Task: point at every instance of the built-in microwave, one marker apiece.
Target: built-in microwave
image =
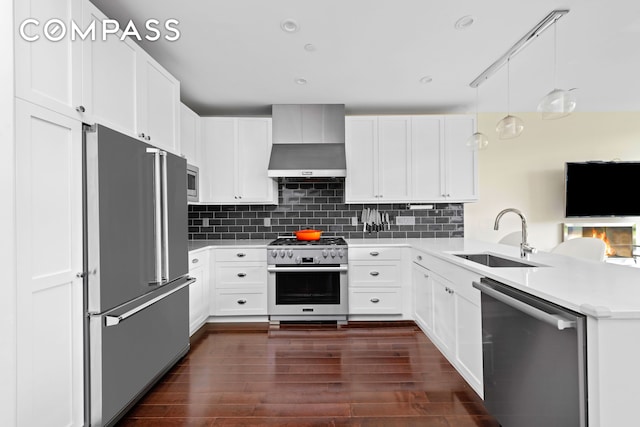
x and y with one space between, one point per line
192 183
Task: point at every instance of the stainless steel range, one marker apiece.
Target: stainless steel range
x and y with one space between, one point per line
307 280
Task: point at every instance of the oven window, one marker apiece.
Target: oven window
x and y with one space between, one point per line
293 288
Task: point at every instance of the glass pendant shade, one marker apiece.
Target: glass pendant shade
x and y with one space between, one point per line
557 104
477 141
509 127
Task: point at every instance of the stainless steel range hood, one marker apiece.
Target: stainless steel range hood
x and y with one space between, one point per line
308 141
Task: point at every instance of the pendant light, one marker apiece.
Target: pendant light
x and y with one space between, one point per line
559 102
510 126
477 141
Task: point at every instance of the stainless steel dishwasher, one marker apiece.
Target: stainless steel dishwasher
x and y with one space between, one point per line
534 359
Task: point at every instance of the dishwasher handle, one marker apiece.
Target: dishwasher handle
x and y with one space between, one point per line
556 320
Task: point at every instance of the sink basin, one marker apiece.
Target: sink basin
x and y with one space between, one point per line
491 260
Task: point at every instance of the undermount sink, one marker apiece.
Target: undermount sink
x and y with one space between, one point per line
491 260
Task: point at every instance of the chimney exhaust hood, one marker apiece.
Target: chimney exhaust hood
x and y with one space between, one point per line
308 141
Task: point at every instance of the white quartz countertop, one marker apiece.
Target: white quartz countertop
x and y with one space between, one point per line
596 289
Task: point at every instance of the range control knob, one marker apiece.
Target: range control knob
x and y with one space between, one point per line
282 253
316 260
298 260
290 253
340 253
274 253
333 253
325 253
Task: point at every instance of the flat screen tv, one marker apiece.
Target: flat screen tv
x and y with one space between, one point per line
602 189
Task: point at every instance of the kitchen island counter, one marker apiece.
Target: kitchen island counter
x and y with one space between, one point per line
596 289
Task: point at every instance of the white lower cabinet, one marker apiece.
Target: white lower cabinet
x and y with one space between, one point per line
447 308
240 285
49 259
199 290
376 281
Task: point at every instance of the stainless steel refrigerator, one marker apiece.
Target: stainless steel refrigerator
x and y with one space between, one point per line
136 283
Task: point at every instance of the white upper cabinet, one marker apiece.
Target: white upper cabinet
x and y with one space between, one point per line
394 154
378 149
235 158
109 68
49 73
427 160
190 135
460 163
113 82
361 142
158 95
403 159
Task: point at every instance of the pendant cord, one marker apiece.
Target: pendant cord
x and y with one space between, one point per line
508 86
555 54
477 98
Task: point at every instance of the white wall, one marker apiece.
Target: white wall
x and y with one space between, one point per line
7 221
527 173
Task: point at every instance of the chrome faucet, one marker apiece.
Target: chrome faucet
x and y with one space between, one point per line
525 249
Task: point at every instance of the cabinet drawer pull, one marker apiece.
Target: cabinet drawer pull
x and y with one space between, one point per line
80 109
241 255
375 300
242 301
374 253
374 273
141 135
242 274
419 257
195 261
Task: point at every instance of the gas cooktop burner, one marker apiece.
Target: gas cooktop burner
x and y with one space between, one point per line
324 241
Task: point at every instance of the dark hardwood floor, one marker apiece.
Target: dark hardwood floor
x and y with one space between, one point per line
365 374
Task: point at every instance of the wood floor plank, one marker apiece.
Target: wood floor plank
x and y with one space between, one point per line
360 375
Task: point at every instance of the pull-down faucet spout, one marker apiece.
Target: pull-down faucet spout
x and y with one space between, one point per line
525 249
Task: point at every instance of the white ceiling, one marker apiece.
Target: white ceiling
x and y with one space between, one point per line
233 58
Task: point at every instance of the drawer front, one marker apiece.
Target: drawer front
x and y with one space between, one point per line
241 255
375 253
374 274
251 301
375 301
198 259
235 275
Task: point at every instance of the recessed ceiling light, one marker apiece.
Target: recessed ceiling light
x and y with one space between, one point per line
289 26
426 79
310 47
464 22
301 81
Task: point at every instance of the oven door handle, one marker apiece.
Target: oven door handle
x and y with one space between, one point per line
275 269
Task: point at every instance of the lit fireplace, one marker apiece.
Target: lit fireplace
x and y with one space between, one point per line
619 237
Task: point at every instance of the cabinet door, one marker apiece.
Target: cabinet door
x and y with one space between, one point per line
158 104
461 163
254 149
423 292
469 339
219 160
49 257
198 291
443 314
361 144
427 159
190 135
49 73
394 153
109 77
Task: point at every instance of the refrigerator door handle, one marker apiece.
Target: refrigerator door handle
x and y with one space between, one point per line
112 320
165 218
157 215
